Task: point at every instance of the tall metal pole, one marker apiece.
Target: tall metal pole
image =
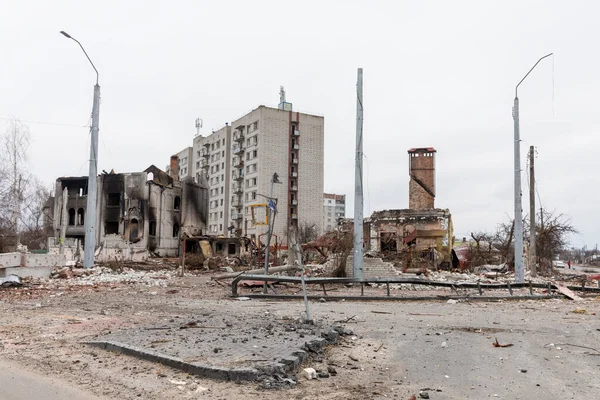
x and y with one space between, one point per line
90 218
519 270
532 250
358 189
308 319
269 232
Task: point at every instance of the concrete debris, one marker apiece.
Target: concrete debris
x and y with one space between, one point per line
423 395
10 281
104 275
452 301
444 345
309 373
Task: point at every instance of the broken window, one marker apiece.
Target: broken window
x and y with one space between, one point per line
231 248
177 203
219 247
80 214
133 229
175 230
111 228
152 228
114 199
71 216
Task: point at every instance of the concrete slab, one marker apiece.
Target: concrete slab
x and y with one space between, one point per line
44 260
26 272
220 347
10 260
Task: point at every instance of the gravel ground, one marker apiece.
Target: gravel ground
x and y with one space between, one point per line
398 348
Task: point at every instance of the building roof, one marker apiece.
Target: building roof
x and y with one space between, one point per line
422 150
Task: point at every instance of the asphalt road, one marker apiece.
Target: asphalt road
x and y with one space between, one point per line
17 383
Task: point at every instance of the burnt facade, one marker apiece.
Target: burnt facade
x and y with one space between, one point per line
421 227
137 213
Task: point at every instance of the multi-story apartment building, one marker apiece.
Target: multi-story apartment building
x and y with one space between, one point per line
334 208
239 161
270 141
212 161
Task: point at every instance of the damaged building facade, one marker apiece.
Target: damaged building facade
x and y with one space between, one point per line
138 214
421 228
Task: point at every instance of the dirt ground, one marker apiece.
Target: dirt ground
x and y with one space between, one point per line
398 348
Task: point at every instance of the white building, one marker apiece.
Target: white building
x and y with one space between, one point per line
239 161
334 208
212 159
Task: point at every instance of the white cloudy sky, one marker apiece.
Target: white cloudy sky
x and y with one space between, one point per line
437 73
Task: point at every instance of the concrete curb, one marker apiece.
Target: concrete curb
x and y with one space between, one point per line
281 367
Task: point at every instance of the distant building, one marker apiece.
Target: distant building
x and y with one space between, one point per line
239 160
334 208
184 167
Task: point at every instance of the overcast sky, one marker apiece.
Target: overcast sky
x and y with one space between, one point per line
436 73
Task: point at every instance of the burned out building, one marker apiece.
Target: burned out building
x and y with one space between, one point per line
137 214
421 227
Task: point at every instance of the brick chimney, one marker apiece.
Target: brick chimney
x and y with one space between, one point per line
421 189
174 168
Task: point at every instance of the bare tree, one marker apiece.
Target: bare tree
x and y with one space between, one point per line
14 178
307 233
552 236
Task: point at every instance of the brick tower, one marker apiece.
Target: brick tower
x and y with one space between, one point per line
421 168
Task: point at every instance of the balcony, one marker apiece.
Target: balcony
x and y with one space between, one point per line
238 137
205 153
294 188
238 149
294 161
296 147
238 162
237 202
207 145
295 202
238 176
238 189
296 132
294 216
294 174
237 216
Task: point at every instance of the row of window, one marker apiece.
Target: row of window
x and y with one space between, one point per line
215 203
216 191
251 155
215 215
251 168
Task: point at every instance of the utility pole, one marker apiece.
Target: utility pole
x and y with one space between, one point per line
358 190
271 211
90 217
519 270
532 255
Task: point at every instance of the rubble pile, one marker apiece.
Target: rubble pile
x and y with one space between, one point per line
103 275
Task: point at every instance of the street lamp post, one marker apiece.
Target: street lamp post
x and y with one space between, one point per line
271 211
519 269
90 218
